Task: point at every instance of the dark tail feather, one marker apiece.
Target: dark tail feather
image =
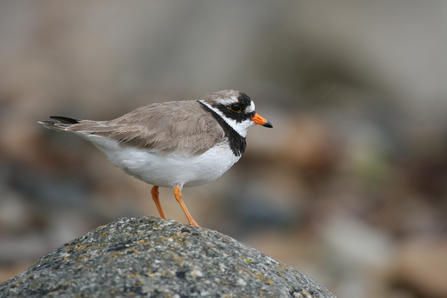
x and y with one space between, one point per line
65 120
59 122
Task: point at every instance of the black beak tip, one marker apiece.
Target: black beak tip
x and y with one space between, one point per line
268 124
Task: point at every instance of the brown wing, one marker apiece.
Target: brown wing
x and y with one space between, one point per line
173 127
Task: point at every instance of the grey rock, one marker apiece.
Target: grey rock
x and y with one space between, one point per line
152 257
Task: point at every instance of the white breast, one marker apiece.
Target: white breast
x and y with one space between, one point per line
167 170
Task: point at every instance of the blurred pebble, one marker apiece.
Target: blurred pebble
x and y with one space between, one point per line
421 266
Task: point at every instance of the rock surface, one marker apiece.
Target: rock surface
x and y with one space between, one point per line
152 257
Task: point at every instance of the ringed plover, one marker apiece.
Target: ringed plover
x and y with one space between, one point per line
173 144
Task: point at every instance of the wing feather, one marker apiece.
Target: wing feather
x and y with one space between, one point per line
180 127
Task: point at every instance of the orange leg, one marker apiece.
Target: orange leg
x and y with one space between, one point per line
178 197
154 193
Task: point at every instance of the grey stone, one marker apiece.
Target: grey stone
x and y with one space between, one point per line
152 257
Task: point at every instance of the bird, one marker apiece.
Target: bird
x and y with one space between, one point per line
173 144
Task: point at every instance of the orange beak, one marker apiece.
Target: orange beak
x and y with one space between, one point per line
259 120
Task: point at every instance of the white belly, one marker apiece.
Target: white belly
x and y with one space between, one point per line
167 170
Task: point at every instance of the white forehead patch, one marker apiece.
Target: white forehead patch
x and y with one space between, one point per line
251 107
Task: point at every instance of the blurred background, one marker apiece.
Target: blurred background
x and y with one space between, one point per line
349 187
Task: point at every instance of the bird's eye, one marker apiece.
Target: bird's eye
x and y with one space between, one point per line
235 107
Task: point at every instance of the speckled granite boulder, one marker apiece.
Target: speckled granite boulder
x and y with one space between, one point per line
151 257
